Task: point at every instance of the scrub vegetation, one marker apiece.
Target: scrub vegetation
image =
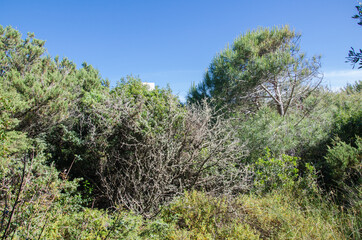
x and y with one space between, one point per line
259 151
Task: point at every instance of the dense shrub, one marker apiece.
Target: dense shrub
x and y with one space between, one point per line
76 156
31 193
344 161
336 155
274 216
344 164
293 134
283 173
141 148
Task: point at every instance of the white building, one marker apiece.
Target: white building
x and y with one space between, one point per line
151 86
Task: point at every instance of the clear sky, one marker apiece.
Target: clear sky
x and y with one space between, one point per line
173 42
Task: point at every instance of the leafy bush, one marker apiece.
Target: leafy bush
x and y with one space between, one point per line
30 192
273 173
94 224
344 163
336 156
200 216
274 216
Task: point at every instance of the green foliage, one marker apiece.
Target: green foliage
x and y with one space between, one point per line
309 134
359 15
199 216
292 134
44 91
353 88
281 214
68 142
5 124
353 56
154 106
139 148
94 224
274 216
339 143
261 67
344 160
30 193
282 173
344 164
274 173
348 122
16 53
107 125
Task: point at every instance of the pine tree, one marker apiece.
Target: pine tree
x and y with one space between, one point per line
261 67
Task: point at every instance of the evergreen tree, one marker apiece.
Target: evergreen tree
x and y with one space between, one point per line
43 91
263 66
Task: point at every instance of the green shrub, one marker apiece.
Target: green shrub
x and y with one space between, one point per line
281 214
344 164
94 224
292 134
344 161
199 216
348 118
283 173
273 216
274 173
30 192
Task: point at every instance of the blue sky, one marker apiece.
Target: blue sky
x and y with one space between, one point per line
173 42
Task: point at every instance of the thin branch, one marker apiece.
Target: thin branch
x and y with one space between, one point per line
16 199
